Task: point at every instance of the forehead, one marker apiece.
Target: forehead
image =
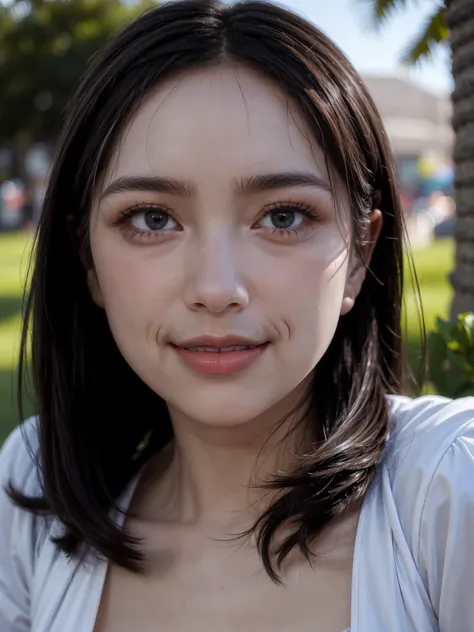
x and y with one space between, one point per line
222 120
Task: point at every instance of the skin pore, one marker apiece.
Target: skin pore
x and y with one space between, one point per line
190 238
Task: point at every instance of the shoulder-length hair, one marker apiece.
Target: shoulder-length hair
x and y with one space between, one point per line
94 412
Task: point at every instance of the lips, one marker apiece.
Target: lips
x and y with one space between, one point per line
222 349
220 343
224 355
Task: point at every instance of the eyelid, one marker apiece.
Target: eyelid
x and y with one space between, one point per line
306 209
142 207
300 207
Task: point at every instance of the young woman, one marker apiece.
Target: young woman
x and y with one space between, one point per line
221 443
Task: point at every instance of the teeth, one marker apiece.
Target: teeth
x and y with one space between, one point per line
207 349
238 348
222 350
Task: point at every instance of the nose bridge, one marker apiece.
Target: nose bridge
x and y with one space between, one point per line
216 277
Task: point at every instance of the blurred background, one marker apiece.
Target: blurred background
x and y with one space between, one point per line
46 44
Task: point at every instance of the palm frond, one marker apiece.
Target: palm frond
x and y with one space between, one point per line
384 8
381 10
422 47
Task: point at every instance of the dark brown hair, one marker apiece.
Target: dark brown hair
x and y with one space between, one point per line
93 410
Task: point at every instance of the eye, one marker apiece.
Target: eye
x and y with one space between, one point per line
283 219
153 219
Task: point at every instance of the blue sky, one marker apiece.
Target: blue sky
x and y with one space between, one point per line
378 51
372 50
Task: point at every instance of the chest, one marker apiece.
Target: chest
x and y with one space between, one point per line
222 587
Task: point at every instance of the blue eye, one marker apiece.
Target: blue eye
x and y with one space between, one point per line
154 219
282 219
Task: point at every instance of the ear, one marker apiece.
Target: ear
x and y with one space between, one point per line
94 288
92 280
358 268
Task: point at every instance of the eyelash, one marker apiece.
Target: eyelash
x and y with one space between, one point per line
307 211
133 233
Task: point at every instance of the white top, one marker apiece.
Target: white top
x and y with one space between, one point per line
413 567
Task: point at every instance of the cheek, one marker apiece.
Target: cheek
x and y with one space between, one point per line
309 286
136 288
309 290
305 294
137 296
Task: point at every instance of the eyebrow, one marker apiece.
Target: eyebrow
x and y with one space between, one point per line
172 186
287 179
250 185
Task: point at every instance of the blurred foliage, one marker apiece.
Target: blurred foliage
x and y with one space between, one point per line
451 356
45 46
433 32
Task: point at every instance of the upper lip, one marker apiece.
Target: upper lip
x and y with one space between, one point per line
219 342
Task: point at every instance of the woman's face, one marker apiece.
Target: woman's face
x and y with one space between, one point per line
215 228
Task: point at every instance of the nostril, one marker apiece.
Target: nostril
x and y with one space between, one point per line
217 300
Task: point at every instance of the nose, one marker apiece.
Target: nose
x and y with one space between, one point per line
215 281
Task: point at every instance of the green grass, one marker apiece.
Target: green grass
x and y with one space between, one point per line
14 253
433 263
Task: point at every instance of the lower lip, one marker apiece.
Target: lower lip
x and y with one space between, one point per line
225 363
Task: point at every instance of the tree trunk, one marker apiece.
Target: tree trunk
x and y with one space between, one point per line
460 21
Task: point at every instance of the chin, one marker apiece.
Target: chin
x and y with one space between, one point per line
223 408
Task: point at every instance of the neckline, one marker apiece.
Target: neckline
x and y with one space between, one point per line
125 501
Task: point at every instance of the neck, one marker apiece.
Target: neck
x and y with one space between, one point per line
213 475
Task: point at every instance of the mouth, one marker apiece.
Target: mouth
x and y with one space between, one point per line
223 349
219 356
219 344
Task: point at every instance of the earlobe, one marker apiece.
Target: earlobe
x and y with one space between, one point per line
94 288
358 270
347 305
353 286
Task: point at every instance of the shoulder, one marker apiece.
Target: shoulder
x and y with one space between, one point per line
429 413
426 486
423 430
19 459
424 433
19 528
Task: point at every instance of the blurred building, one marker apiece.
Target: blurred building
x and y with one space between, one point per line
418 124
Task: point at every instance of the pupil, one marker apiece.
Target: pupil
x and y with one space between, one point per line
283 219
156 219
